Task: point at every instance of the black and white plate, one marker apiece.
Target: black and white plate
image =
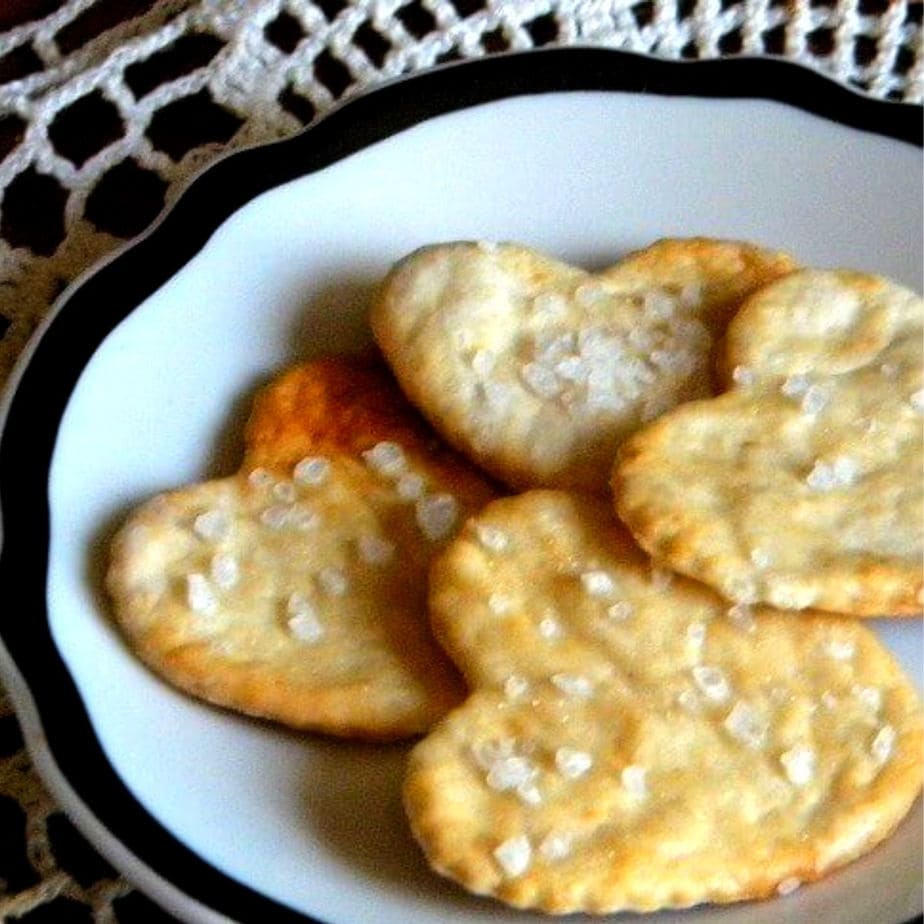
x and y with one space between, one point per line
142 376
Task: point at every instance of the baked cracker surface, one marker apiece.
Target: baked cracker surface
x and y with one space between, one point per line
536 369
632 741
295 590
801 486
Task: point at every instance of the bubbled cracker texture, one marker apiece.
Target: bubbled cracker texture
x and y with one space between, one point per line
801 485
295 590
662 755
538 370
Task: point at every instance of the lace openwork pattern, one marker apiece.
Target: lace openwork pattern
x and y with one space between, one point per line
107 106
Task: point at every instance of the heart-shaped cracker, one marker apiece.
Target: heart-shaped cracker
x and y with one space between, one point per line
631 741
801 486
296 589
538 370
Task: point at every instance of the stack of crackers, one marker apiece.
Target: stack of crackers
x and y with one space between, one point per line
606 540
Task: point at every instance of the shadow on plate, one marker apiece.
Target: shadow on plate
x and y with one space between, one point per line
352 804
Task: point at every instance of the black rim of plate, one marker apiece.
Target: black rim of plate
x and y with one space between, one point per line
94 308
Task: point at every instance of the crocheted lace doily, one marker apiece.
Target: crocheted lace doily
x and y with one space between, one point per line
107 105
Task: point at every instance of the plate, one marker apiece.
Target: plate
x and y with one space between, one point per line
141 379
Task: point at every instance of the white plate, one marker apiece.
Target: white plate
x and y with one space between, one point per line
216 815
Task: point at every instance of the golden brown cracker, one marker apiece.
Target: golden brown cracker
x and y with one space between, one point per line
632 742
536 369
296 589
802 485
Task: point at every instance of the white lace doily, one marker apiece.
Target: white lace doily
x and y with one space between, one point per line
106 106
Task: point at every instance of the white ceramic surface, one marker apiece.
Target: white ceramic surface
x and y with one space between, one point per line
314 824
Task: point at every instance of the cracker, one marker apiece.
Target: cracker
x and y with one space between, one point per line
801 486
537 369
295 590
632 741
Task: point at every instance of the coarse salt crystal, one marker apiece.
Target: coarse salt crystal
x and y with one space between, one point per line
571 369
670 362
199 594
641 339
696 634
374 550
661 579
741 588
549 627
799 764
487 753
691 295
556 845
510 773
840 649
815 399
212 525
306 627
276 517
312 471
587 295
410 486
658 304
604 349
483 362
550 346
598 583
492 538
541 380
779 694
760 558
499 604
788 886
688 700
620 610
514 855
303 619
827 476
463 339
550 303
298 603
746 725
573 685
795 386
260 478
634 780
789 591
741 616
712 683
437 515
883 744
386 458
333 582
284 491
742 375
603 394
304 519
572 763
870 697
515 686
224 570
